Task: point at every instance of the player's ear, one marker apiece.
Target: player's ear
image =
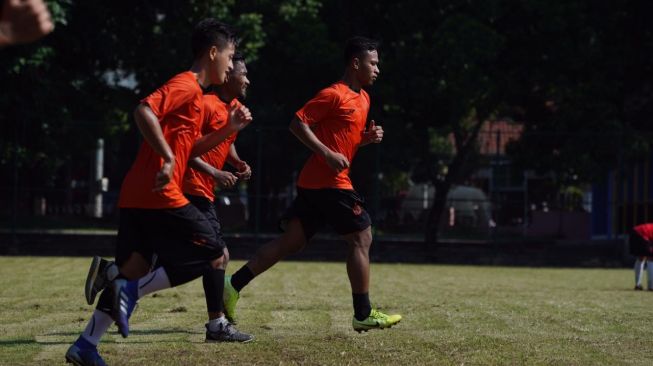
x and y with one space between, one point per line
213 53
355 62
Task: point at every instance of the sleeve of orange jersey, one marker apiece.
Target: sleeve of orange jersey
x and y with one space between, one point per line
170 96
318 108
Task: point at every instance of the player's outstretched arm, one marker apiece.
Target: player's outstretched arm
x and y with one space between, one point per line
239 118
150 128
335 160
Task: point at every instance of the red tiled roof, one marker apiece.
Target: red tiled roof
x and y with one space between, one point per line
495 135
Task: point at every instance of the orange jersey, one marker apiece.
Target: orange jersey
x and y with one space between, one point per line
215 117
645 231
337 116
178 106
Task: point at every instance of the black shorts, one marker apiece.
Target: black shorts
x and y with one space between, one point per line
341 209
639 247
175 235
207 207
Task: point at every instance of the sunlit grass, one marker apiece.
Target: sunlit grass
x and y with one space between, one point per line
301 313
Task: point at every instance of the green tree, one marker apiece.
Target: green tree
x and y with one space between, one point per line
83 81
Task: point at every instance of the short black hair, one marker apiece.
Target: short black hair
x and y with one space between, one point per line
238 57
355 46
211 32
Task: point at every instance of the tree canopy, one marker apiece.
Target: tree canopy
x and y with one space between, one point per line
575 73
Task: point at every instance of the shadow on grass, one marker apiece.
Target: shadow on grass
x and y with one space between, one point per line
18 342
134 332
31 342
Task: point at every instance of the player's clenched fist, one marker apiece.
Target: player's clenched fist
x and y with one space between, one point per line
23 21
244 171
225 179
239 117
374 134
164 176
337 161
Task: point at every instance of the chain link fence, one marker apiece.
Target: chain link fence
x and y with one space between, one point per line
496 202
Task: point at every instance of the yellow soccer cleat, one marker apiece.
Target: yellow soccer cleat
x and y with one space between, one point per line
230 298
376 320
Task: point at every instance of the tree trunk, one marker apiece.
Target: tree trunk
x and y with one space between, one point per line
458 168
438 207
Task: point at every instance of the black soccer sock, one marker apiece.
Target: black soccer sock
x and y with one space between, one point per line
241 278
362 307
178 274
105 301
213 282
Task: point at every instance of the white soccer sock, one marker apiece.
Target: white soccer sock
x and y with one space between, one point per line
153 282
97 326
112 271
639 265
217 324
649 272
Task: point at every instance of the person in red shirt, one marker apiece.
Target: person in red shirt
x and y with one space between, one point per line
204 175
640 242
155 217
333 126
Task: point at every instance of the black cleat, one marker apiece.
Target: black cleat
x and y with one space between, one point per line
227 333
100 274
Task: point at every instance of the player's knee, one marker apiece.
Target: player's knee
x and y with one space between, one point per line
293 239
294 242
362 240
297 246
218 262
135 267
225 259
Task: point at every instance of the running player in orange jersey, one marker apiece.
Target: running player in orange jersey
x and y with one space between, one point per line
155 217
200 181
333 126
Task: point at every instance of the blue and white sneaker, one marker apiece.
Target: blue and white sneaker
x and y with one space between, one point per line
83 353
125 296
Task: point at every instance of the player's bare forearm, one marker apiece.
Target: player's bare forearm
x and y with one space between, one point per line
209 141
232 157
202 166
238 118
150 128
307 137
244 171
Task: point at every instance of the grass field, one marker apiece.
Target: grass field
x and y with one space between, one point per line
301 314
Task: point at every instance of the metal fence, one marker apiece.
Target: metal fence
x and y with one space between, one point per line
492 205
